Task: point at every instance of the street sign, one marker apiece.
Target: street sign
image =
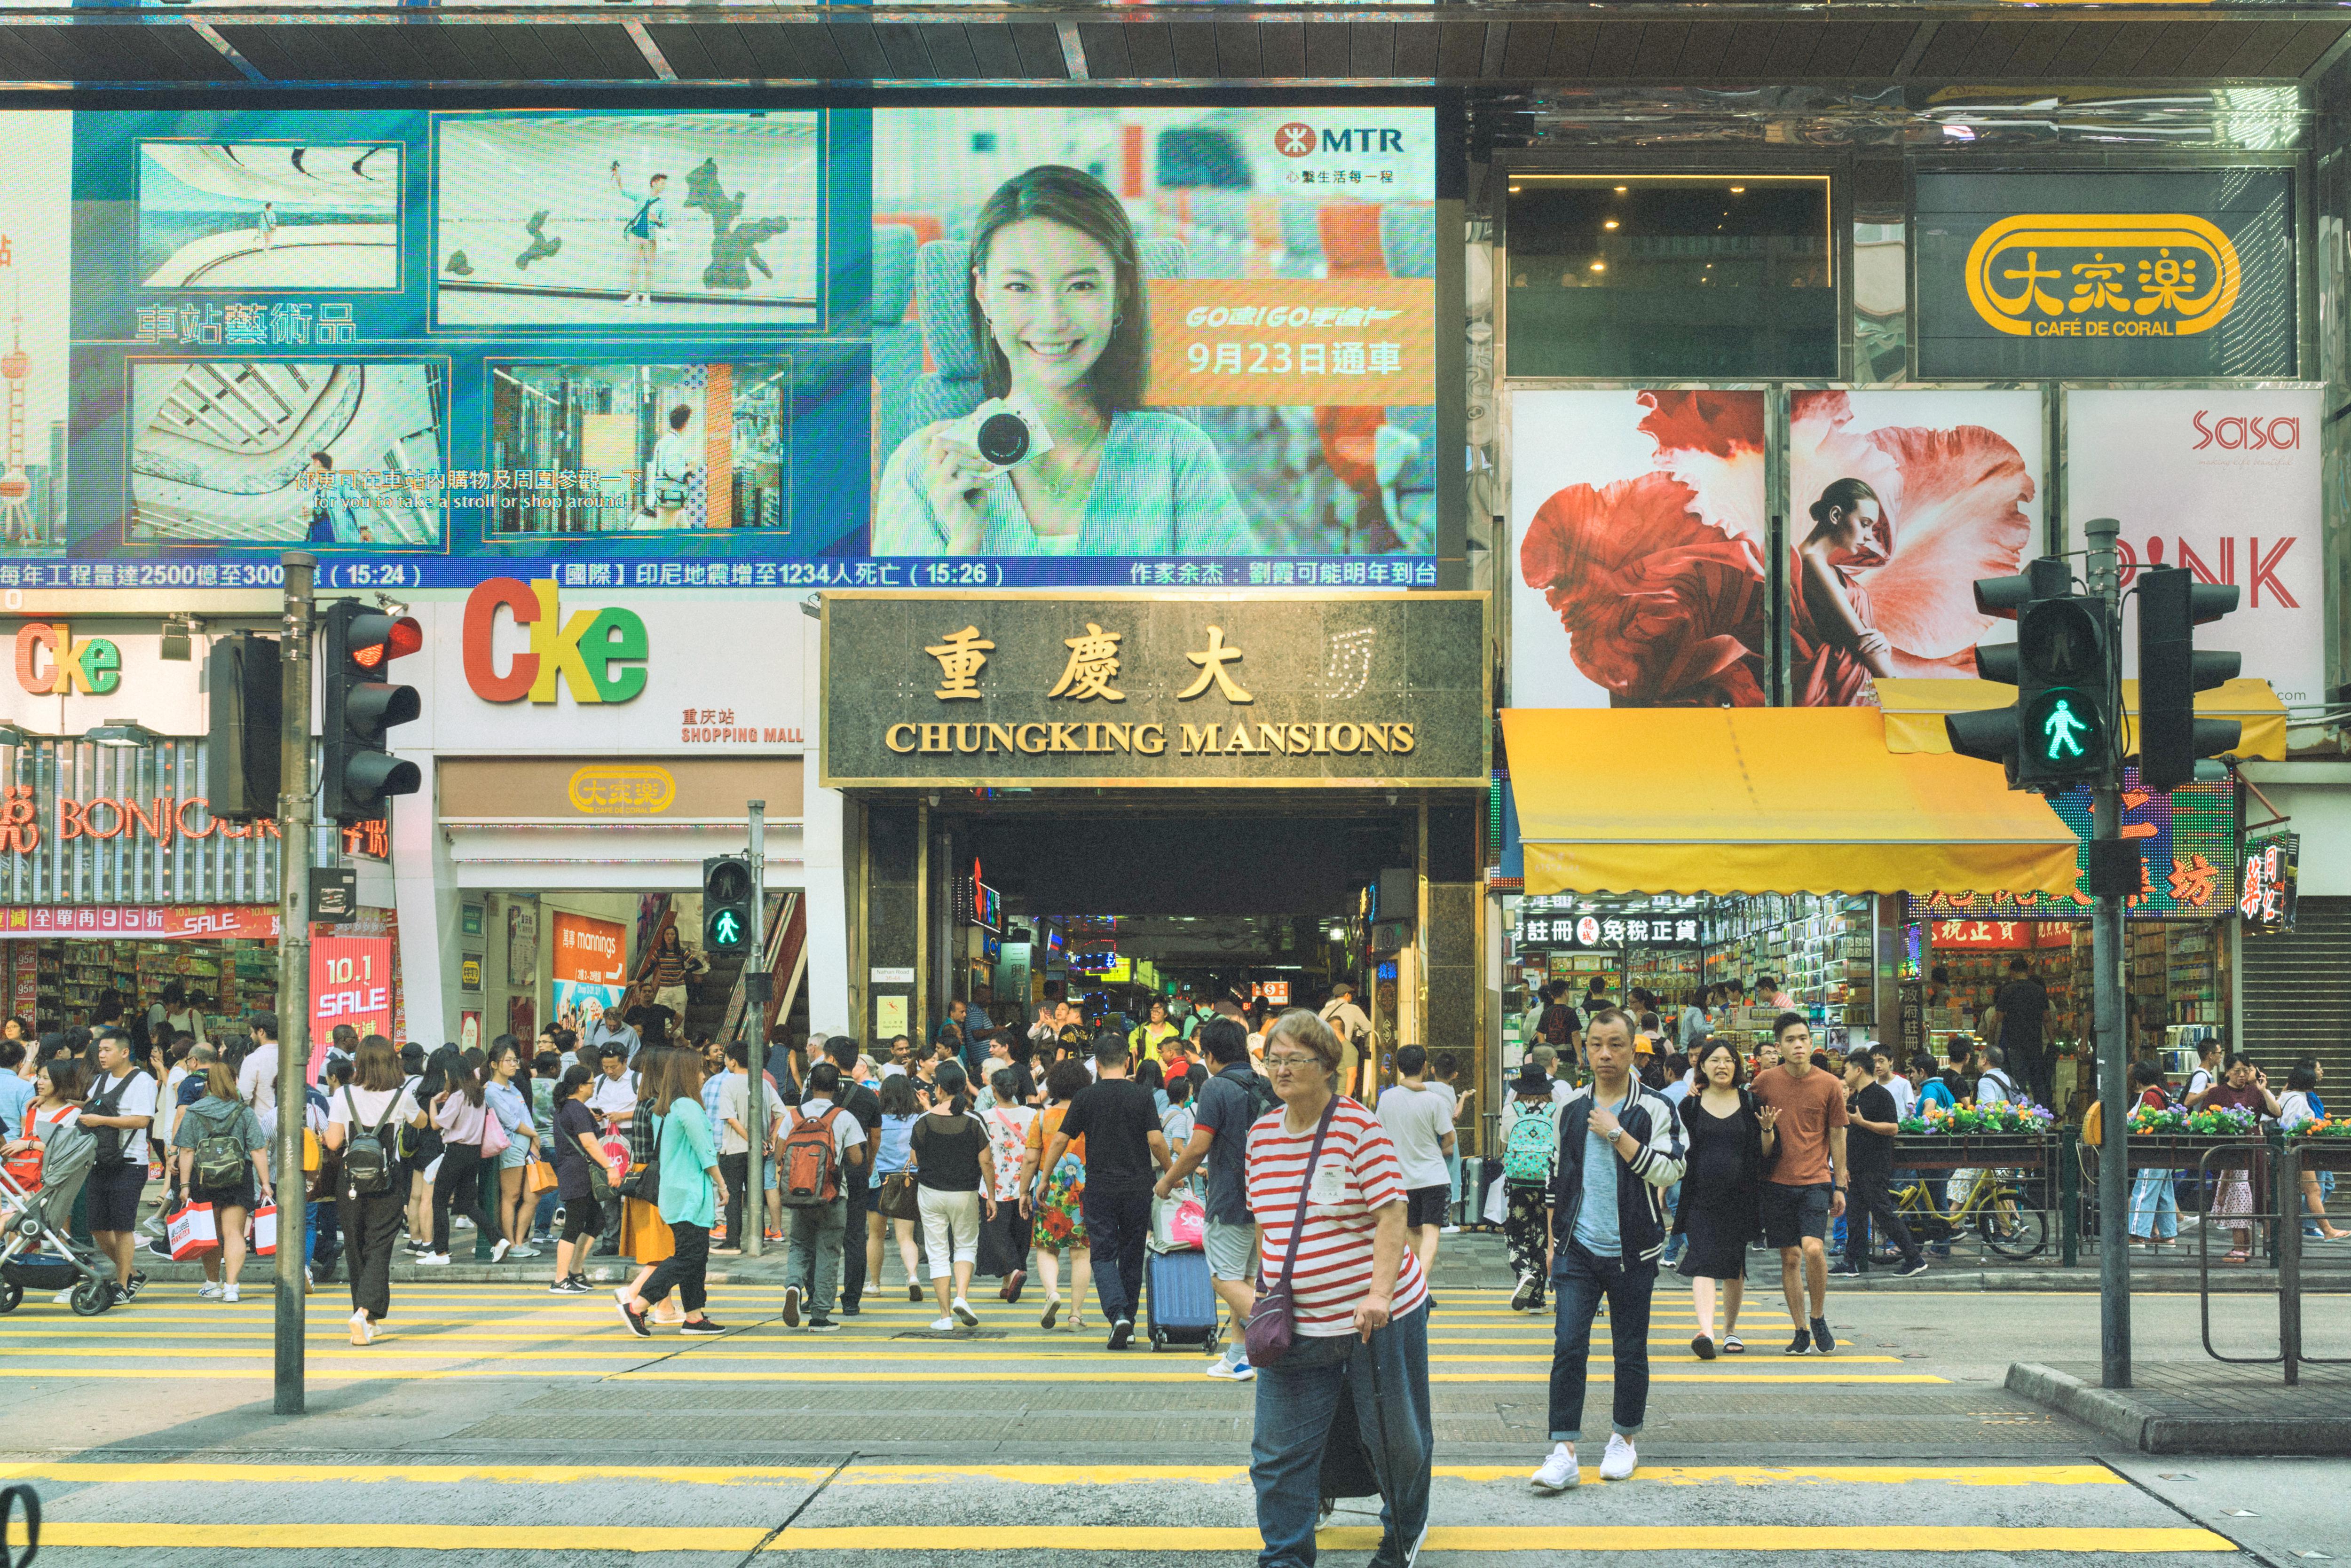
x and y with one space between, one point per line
334 894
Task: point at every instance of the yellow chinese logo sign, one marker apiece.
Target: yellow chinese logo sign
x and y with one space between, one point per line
2103 275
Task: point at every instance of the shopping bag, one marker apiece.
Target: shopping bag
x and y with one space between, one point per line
191 1231
616 1156
541 1178
262 1230
1177 1224
1498 1203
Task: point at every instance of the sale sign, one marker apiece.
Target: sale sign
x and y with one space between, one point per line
351 982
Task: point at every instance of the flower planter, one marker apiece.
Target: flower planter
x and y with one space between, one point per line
2182 1151
1972 1151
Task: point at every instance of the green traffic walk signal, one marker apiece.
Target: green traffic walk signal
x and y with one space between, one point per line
2063 724
727 894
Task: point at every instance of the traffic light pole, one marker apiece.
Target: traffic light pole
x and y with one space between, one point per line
755 1011
2113 1033
293 974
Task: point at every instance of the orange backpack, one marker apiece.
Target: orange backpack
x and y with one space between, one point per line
809 1170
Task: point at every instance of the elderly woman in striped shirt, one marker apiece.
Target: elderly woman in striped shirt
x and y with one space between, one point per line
1328 1195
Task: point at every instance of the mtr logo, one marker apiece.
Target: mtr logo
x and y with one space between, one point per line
50 664
1297 139
585 651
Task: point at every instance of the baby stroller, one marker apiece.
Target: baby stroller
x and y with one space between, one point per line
35 1253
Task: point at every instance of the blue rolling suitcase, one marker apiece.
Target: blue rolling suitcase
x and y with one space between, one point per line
1181 1306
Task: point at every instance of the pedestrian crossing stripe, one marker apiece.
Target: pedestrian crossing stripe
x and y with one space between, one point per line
265 1472
669 1370
829 1353
336 1331
127 1535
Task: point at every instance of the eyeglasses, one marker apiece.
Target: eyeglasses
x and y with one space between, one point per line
1287 1063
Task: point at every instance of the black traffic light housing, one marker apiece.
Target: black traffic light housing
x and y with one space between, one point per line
2057 731
2171 606
359 775
726 894
242 744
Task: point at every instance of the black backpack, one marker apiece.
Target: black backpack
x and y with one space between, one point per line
369 1161
1260 1094
111 1139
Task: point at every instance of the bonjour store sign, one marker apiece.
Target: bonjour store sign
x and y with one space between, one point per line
1293 690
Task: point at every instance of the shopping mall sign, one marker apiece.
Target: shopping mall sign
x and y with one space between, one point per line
51 662
2117 272
1297 690
598 654
2189 860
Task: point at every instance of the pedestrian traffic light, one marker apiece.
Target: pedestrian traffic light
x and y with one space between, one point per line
2063 684
1998 735
359 774
241 740
2171 606
727 903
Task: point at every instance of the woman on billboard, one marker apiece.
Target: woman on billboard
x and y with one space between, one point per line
1063 458
1837 645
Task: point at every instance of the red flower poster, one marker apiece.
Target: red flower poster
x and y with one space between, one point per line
1644 548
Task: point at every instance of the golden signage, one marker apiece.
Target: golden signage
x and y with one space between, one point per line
635 790
2103 275
1099 738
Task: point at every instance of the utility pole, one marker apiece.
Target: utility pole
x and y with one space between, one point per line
755 1020
295 853
2105 959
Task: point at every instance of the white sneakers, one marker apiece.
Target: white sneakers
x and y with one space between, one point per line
636 300
433 1260
944 1325
964 1314
208 1291
228 1293
1560 1472
498 1252
362 1331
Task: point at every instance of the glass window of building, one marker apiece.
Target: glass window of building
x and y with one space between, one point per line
1684 275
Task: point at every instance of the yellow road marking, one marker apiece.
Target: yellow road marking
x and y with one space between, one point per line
825 1352
549 1538
1506 1537
271 1474
351 1368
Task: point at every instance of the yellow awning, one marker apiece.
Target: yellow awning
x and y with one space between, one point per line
1766 800
1915 710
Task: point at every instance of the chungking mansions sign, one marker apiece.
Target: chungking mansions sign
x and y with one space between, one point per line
1100 690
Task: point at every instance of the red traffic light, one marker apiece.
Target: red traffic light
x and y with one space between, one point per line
377 640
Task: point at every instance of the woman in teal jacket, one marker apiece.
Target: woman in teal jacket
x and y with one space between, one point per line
691 1193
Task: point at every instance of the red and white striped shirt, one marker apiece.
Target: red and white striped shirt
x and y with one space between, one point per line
1356 1176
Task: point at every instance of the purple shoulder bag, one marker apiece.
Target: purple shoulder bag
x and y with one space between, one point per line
1273 1319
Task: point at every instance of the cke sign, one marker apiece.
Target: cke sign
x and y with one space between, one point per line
587 652
50 664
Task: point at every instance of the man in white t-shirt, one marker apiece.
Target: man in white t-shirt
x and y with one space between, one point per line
1544 1057
1881 1066
1419 1123
256 1076
121 1100
813 1262
734 1136
614 1098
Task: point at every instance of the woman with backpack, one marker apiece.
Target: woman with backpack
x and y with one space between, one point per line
1530 1150
1730 1138
224 1162
692 1192
372 1124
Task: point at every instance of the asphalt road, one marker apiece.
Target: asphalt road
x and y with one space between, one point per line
495 1424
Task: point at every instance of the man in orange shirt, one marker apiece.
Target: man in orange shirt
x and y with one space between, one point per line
1804 1188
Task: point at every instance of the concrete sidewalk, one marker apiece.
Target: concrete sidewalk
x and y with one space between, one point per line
2202 1406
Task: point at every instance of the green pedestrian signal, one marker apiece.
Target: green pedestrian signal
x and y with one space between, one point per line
727 896
2063 724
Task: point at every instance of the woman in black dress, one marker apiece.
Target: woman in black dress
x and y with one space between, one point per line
1730 1138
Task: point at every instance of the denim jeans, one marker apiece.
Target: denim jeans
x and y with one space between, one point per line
1295 1401
322 1234
813 1261
1580 1280
2155 1208
1117 1225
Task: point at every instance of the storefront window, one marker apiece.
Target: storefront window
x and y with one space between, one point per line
1670 275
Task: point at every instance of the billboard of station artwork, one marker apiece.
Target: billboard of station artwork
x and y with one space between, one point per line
1644 576
763 348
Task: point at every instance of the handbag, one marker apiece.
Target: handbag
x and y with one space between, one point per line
192 1232
1273 1319
899 1200
541 1179
261 1230
643 1181
494 1141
